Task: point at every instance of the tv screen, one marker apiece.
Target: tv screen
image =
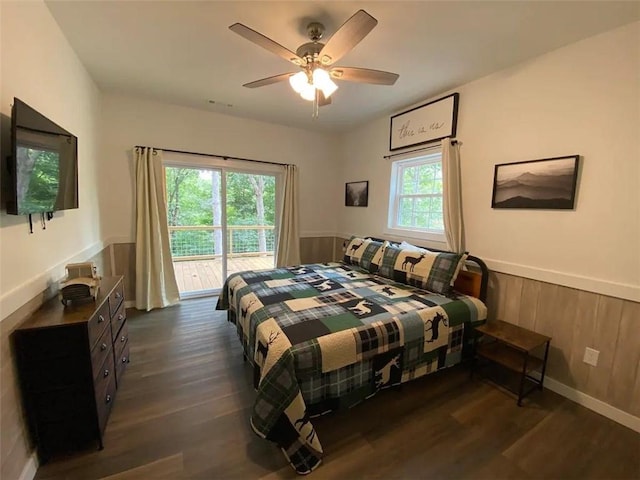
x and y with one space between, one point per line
44 164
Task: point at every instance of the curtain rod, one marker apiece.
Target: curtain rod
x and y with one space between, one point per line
453 142
223 157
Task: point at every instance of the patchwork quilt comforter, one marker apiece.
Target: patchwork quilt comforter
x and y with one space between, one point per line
326 336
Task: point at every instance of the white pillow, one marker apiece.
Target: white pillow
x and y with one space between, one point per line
412 248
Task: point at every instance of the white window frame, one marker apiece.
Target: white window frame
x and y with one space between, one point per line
394 187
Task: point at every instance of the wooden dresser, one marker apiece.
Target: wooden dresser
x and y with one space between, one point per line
70 362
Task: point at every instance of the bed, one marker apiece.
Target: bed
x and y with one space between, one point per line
323 337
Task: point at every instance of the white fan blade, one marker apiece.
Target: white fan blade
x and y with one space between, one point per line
266 43
269 80
347 37
364 75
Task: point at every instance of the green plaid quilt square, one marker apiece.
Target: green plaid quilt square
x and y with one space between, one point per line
276 391
307 358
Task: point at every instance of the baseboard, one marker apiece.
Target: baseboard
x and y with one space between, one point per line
598 406
30 468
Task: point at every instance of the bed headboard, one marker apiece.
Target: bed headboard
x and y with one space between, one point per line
472 281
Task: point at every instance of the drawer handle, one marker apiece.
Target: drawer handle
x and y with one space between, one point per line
118 295
123 339
100 318
121 317
124 359
103 347
107 399
106 373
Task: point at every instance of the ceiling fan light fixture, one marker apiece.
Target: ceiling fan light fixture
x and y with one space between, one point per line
315 83
322 81
308 92
320 76
298 81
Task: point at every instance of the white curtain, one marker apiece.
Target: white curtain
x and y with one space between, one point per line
288 251
155 279
452 196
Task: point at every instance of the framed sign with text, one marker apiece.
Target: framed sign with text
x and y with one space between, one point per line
425 123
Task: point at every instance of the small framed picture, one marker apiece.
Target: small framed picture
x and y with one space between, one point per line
356 194
549 183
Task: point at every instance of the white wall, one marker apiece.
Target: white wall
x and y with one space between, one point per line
40 68
581 99
132 121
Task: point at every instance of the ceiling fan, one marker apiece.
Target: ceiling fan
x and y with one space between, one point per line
314 82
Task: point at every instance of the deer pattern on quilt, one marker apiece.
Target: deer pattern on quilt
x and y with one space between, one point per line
432 326
361 308
436 328
247 305
324 286
384 376
305 422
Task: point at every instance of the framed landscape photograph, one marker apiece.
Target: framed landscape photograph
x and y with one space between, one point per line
549 183
356 194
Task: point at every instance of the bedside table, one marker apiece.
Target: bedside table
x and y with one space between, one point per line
511 346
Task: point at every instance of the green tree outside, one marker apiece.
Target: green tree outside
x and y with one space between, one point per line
191 201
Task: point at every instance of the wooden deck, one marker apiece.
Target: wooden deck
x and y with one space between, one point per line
199 275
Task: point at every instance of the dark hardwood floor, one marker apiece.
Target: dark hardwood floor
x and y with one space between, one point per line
183 413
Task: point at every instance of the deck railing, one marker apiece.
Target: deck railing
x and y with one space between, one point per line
199 242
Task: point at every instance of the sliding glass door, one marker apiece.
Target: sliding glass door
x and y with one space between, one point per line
220 222
250 221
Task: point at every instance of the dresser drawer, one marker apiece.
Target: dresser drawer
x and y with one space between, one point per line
104 376
104 402
97 324
100 351
118 320
116 297
121 340
121 362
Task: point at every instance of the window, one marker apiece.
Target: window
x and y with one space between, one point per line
415 200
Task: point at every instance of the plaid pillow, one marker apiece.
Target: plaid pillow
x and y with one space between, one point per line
362 252
433 271
376 261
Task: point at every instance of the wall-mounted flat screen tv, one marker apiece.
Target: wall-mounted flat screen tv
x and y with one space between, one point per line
43 168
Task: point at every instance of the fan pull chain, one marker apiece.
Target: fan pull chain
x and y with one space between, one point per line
315 113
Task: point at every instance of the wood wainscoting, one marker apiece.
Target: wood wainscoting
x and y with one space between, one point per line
576 319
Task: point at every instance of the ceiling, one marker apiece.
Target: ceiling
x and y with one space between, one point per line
182 52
